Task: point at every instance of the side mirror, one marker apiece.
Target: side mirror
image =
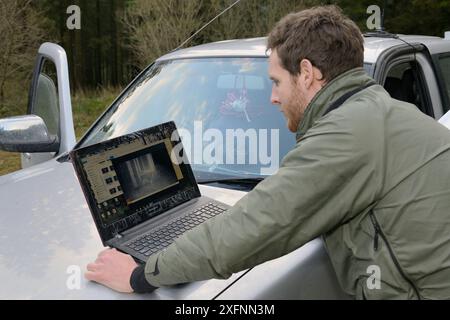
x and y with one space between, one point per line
26 134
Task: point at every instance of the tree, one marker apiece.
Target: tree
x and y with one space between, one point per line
21 33
250 18
427 17
156 27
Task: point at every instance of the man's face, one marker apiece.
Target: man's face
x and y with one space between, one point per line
288 92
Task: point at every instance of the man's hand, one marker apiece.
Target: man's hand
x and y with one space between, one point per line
112 269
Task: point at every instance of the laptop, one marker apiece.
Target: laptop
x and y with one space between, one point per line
141 191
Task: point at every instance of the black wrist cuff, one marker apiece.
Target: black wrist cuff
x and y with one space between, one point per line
138 281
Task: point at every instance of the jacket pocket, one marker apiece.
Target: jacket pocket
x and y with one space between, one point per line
379 233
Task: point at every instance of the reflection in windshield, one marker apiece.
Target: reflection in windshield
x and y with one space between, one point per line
221 107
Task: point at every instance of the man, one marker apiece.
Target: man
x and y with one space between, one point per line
369 173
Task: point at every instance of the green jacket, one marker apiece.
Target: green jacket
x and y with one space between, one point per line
372 177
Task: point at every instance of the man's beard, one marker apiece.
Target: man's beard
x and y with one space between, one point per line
296 116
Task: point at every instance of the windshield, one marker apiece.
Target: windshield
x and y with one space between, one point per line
222 110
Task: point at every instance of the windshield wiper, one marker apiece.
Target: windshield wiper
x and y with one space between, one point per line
250 181
65 157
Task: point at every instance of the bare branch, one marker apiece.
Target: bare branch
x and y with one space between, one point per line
21 32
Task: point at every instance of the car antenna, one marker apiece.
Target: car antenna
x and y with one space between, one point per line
382 15
207 24
382 33
395 36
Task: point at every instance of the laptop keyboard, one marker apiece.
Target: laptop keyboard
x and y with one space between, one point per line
158 239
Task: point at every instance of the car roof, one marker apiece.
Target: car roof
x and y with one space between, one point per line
253 47
374 46
256 47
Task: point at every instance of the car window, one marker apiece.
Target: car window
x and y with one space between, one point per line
368 67
221 107
444 64
403 82
46 103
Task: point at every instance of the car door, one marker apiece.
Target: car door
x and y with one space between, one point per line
445 120
441 61
407 73
49 98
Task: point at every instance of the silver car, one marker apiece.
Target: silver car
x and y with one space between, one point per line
47 234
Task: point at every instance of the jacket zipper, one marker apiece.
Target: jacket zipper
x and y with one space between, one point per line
378 232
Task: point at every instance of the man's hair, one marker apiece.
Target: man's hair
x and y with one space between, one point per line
323 35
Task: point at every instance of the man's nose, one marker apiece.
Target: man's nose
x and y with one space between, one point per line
274 98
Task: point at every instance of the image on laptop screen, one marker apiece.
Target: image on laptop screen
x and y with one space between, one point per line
142 174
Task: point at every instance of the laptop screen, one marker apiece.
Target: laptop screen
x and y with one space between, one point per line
133 178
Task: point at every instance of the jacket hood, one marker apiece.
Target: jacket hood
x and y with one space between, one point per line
332 91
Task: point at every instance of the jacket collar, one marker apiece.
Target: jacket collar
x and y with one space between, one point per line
334 89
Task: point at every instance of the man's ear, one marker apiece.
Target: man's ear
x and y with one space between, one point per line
311 74
307 72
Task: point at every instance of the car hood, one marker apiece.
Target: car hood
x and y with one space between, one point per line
48 237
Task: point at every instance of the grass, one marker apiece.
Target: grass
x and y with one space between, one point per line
86 107
9 162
